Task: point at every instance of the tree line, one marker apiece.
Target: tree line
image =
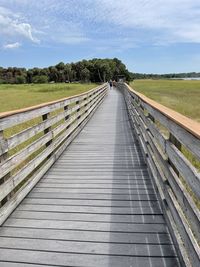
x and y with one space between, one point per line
134 76
95 70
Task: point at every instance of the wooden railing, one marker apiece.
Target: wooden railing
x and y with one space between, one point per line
176 180
33 138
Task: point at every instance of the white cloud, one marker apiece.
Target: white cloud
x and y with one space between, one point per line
171 20
77 21
12 45
11 26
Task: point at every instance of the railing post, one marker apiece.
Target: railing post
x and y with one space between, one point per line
177 144
174 141
77 103
45 117
66 108
85 99
3 158
151 117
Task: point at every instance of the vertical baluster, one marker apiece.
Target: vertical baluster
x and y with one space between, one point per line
177 144
77 103
85 106
45 117
94 97
3 158
151 117
66 108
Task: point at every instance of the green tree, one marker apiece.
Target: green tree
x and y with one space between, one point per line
53 74
40 79
20 79
95 70
85 75
60 72
30 76
68 72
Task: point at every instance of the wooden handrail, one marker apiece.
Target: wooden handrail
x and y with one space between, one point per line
43 133
18 111
190 125
176 179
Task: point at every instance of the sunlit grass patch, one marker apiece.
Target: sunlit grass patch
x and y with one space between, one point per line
180 95
14 96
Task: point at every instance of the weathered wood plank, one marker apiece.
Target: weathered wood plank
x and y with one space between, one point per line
12 162
67 259
178 118
20 137
159 151
93 196
185 168
92 209
9 185
66 216
19 264
96 206
86 226
9 119
132 250
94 236
180 192
186 233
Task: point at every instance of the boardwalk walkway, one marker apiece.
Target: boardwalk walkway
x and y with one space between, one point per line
95 207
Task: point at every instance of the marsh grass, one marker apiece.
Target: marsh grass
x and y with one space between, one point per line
13 96
181 96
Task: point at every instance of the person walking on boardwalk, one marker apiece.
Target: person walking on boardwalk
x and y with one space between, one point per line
111 84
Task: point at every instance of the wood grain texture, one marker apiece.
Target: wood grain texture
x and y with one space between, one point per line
54 140
96 206
169 167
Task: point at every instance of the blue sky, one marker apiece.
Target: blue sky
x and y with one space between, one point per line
152 36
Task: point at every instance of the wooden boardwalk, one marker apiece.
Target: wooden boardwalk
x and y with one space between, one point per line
95 207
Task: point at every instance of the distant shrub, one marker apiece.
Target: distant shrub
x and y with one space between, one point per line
40 79
2 81
20 79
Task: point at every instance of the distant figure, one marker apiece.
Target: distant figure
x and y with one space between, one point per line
111 84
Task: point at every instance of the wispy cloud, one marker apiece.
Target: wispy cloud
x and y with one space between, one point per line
156 22
76 21
172 20
54 21
12 45
103 28
11 26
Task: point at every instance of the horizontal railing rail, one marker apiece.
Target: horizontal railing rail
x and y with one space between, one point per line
169 141
31 140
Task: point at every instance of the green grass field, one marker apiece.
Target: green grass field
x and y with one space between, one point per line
182 96
20 96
